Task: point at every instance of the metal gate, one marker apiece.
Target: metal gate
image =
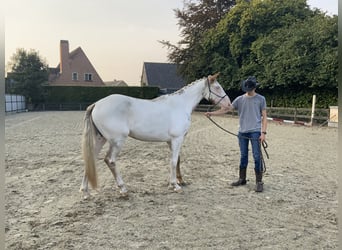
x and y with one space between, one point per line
15 103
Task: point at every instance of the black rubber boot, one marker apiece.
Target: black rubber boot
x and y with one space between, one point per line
242 178
259 185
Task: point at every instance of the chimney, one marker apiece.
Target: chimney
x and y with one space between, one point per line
64 55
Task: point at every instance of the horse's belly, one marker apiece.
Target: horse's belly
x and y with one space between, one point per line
150 134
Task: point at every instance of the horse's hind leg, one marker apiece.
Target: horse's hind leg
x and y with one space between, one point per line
114 150
99 142
178 174
84 187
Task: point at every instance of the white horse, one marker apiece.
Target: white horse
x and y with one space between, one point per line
163 119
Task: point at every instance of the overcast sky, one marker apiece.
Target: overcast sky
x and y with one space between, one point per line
116 35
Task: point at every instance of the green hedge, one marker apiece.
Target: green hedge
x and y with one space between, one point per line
275 98
294 99
81 94
302 98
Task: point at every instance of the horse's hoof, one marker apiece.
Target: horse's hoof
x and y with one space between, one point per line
86 196
124 193
177 189
181 183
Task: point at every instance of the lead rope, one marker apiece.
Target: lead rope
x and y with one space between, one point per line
263 144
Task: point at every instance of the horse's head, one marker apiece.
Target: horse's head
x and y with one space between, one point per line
215 93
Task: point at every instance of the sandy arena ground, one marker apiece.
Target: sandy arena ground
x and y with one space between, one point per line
44 209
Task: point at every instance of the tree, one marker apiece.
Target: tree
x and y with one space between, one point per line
255 36
250 21
306 57
194 20
291 49
200 16
29 73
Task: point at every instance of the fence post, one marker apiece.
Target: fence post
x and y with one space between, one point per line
313 109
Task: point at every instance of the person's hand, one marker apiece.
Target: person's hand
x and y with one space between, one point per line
262 137
207 114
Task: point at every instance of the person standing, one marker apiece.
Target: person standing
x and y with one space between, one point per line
251 108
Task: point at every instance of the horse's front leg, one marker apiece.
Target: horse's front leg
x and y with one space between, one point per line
178 173
175 146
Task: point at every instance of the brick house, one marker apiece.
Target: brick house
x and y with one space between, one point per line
74 69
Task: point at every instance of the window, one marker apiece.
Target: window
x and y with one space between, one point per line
74 76
88 77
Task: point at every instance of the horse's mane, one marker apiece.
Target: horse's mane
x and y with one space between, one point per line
180 91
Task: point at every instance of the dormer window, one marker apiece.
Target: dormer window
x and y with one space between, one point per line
74 76
88 77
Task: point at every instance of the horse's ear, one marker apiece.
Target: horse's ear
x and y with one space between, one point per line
213 78
216 75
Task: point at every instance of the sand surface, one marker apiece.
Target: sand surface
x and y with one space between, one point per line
45 210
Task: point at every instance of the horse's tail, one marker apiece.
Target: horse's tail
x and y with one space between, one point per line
88 138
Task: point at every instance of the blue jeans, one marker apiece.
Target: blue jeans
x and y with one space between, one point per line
253 137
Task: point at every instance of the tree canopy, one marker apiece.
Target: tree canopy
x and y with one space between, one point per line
29 73
285 44
195 19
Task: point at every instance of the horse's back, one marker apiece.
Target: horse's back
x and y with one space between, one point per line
120 115
113 100
121 105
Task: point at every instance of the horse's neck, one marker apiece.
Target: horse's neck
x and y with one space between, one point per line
193 94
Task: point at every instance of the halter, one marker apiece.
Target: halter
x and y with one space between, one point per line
211 92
